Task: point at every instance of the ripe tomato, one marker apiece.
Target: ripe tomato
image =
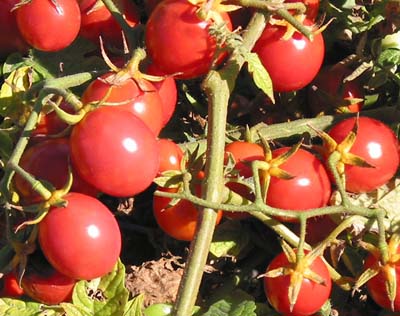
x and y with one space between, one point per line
10 39
178 221
47 25
243 153
81 239
310 187
97 20
311 296
114 151
49 161
143 101
377 144
328 93
170 155
293 63
11 286
178 41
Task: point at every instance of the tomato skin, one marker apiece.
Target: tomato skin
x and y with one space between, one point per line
178 221
82 239
114 151
292 64
146 104
170 155
11 286
49 160
377 144
310 187
99 21
311 296
45 27
178 41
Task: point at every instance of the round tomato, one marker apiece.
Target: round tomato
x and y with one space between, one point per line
49 25
114 151
312 295
328 93
81 239
377 144
11 286
97 20
291 63
170 155
178 41
244 152
141 99
309 188
10 39
49 161
178 221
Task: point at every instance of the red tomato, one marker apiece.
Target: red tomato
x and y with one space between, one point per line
243 153
143 101
310 187
115 151
311 296
328 93
48 26
48 161
292 64
168 92
10 39
97 20
178 221
178 41
81 239
170 155
377 144
11 286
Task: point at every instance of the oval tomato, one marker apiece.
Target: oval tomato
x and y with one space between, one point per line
310 187
170 155
178 221
141 99
49 161
178 41
47 25
81 239
114 151
311 296
377 144
293 63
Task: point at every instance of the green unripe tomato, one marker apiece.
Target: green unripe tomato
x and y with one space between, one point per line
158 309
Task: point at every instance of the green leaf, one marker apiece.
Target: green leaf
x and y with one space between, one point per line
389 57
72 310
229 239
260 75
13 307
134 307
6 145
103 297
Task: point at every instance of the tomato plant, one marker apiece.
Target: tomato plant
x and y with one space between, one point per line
377 144
178 41
49 26
111 147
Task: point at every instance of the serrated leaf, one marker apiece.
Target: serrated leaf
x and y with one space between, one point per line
239 303
229 239
72 310
260 75
13 307
134 307
389 57
107 296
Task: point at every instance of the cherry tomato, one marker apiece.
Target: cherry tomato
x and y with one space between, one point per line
10 39
310 187
49 161
170 155
81 239
377 144
114 151
49 25
311 296
243 153
293 63
143 101
178 41
97 20
11 286
178 221
328 93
